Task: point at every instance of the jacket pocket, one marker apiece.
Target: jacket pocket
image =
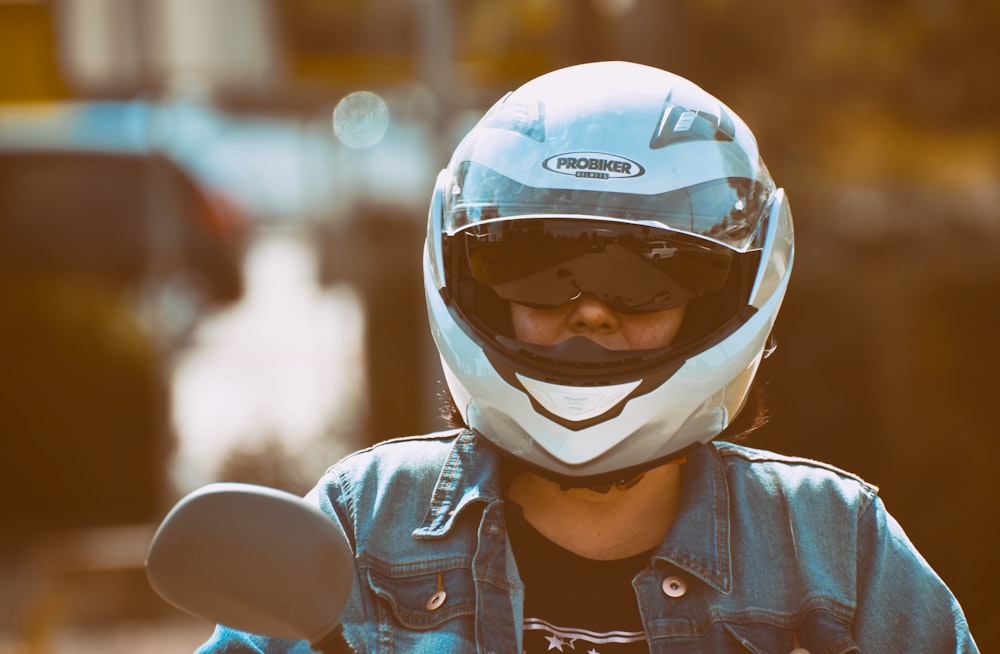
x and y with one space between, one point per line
819 633
425 598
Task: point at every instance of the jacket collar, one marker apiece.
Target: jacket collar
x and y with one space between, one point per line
699 539
470 474
698 542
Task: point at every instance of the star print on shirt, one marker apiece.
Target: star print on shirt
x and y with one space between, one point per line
544 636
555 642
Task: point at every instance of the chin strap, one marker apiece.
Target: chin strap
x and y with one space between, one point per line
621 485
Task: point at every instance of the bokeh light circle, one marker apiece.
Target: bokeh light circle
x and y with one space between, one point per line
361 119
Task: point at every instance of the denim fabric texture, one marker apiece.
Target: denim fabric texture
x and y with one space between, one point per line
769 552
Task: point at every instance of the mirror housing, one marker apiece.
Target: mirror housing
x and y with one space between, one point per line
255 559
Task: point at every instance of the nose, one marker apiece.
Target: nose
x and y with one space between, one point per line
588 314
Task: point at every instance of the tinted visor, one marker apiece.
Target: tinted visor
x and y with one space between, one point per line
546 262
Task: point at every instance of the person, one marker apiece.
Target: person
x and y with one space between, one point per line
605 259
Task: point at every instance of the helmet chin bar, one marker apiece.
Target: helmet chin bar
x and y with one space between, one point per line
593 388
575 403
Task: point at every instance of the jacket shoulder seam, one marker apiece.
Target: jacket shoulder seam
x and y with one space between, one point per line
753 455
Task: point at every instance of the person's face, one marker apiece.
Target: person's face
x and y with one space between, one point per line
588 316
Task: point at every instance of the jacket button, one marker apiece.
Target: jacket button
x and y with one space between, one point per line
674 586
436 600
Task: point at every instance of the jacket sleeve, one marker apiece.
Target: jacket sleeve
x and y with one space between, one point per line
903 605
230 641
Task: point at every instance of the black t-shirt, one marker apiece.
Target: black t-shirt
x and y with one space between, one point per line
575 604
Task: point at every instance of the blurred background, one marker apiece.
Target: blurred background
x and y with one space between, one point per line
210 226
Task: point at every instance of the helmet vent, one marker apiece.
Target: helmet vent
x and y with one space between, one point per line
679 125
577 403
526 118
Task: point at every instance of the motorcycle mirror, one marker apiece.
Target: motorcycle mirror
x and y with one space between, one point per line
255 559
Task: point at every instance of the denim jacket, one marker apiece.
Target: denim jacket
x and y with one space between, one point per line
766 554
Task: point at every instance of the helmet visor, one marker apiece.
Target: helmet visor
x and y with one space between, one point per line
728 211
544 262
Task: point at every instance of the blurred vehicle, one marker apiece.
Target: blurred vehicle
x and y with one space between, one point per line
113 208
120 217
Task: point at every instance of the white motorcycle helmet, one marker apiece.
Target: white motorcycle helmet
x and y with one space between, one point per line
636 186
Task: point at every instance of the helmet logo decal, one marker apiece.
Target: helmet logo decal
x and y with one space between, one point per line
593 165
